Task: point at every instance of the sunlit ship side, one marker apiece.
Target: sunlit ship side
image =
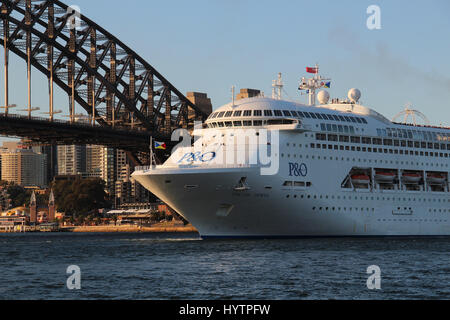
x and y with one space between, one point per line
344 170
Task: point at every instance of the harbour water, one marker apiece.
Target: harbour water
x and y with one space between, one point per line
181 266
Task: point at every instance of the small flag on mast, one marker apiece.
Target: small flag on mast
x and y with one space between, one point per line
160 145
312 70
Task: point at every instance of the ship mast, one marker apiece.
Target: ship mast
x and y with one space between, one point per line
313 84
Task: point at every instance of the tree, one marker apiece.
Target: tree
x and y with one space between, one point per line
80 196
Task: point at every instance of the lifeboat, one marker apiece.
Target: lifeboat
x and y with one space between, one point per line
411 177
435 178
383 176
360 179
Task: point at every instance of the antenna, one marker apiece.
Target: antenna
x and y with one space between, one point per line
277 88
232 95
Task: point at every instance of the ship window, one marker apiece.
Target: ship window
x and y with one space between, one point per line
366 140
340 129
228 114
312 115
237 113
287 113
335 128
287 184
237 123
268 113
221 125
352 129
300 114
228 124
346 130
387 142
352 119
257 123
355 139
358 120
278 113
342 118
347 118
307 115
323 127
364 120
247 113
299 184
344 139
257 113
221 114
247 123
329 128
332 137
213 115
336 118
294 113
318 116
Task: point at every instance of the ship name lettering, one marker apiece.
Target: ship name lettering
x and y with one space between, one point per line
298 170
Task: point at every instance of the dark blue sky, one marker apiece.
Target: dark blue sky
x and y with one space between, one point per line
210 45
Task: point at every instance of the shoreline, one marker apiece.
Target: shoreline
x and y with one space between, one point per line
130 229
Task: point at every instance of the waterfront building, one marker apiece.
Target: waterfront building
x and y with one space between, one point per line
33 208
51 207
71 160
23 167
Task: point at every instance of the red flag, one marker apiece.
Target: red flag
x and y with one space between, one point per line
312 70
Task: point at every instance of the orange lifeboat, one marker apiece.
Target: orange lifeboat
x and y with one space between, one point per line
435 178
411 177
360 179
385 176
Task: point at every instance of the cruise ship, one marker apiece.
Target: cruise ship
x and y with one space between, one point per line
268 168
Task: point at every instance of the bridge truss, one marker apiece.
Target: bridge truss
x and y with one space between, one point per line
116 87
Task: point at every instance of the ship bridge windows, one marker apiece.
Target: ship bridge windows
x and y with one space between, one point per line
286 113
248 113
268 113
237 113
228 114
278 113
280 121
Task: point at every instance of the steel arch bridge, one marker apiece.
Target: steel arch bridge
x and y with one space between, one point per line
114 85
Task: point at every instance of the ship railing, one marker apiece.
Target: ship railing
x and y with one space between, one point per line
178 166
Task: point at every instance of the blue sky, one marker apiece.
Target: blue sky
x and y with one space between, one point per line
210 45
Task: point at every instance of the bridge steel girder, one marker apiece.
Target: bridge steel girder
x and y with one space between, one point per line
90 55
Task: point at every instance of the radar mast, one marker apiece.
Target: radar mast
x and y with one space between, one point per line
313 84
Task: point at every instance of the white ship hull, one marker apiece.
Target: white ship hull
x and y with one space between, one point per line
261 212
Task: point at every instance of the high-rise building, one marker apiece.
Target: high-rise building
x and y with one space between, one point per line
24 167
51 154
71 160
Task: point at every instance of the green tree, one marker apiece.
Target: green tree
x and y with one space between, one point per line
80 196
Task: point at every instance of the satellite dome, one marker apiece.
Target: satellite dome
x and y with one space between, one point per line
323 97
354 95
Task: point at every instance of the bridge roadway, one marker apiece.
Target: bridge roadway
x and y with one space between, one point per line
60 132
